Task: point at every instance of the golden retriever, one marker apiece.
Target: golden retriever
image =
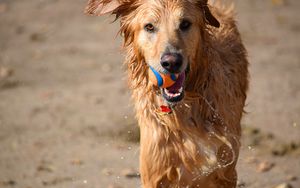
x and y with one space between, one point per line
190 132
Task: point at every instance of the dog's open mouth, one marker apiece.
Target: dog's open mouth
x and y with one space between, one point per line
175 93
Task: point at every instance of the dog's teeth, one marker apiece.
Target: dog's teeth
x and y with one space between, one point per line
173 94
181 89
167 92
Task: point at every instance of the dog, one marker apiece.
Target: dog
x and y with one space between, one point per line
190 132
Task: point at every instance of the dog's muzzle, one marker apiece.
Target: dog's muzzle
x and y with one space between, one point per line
175 93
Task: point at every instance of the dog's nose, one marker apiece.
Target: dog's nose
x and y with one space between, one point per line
172 62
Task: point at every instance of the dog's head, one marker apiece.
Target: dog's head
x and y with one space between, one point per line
167 34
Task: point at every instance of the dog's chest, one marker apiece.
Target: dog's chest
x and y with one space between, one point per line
178 154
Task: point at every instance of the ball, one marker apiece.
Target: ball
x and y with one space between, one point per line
160 79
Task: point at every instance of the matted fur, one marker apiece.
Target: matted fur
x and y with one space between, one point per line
198 144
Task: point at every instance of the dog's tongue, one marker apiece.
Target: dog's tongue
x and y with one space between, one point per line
178 84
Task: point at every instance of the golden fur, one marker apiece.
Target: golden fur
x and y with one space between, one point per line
198 144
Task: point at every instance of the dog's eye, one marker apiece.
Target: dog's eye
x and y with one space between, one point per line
149 28
185 25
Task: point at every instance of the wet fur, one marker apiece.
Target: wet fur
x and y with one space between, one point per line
194 146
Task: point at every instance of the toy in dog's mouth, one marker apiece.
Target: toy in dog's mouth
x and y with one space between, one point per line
171 85
175 93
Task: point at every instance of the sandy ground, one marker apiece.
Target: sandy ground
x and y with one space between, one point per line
66 120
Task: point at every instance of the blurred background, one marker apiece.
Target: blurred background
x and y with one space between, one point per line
66 119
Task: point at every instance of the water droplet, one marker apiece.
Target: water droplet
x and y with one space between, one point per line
129 148
122 157
295 124
125 117
85 181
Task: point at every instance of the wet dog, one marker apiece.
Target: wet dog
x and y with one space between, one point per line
190 131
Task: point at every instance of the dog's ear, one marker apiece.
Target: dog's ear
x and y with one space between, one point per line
101 7
209 18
